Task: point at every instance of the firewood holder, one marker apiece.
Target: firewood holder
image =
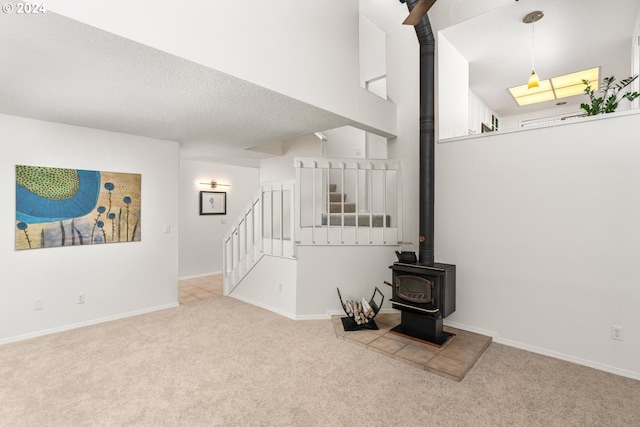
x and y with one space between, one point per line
350 324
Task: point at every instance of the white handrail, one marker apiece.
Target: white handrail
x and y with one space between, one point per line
241 252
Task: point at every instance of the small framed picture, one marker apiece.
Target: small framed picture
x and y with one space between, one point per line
213 203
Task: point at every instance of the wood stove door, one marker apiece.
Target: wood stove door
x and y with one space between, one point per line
415 289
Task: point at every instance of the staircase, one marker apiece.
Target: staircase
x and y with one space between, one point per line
332 202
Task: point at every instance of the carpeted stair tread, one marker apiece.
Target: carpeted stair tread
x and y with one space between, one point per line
337 207
337 197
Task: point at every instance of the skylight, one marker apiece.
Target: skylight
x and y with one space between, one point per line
556 87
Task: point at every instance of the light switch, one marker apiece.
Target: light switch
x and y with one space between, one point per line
167 228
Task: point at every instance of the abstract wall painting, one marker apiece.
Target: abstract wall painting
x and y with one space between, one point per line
74 207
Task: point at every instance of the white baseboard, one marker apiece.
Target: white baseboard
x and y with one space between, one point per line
569 358
195 276
545 352
264 306
86 323
314 316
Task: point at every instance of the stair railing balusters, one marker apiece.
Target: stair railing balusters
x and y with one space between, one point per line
281 220
357 193
314 207
328 181
271 210
240 246
292 224
370 191
257 214
384 203
342 199
377 188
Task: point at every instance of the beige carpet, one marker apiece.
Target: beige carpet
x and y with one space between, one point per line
222 362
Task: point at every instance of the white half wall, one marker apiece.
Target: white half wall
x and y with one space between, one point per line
270 285
117 279
201 235
355 270
543 226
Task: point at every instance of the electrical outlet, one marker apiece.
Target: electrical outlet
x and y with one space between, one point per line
616 332
38 304
80 298
280 287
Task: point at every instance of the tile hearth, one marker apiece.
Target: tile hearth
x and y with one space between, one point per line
453 360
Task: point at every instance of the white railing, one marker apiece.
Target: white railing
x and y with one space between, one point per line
348 202
264 227
332 202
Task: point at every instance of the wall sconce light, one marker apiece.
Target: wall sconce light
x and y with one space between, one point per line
214 184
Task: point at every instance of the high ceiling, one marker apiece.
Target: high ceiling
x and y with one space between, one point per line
58 69
573 35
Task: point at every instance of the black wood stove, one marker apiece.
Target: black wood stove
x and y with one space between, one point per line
424 295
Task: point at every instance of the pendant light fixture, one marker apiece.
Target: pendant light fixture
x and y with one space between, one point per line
530 18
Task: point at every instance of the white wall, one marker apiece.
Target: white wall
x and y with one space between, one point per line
117 279
371 49
543 227
635 61
372 57
271 284
201 235
281 168
306 51
344 142
347 142
453 87
403 67
356 271
376 146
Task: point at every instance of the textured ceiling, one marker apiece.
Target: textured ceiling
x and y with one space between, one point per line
57 69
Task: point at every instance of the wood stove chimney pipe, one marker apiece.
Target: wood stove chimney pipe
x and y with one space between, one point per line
426 39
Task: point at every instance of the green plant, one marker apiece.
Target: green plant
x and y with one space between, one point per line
608 102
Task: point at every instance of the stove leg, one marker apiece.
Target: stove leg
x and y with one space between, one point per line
424 327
